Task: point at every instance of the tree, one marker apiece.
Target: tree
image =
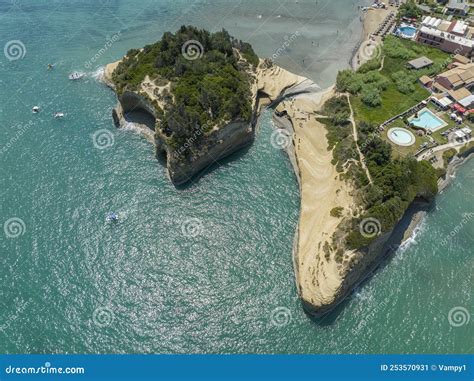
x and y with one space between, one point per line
370 95
410 10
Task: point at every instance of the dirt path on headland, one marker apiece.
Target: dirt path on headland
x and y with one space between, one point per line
356 139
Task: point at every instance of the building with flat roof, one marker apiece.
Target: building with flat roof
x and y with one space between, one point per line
420 63
442 101
449 36
458 7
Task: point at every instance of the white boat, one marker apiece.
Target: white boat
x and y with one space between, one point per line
36 109
111 217
58 115
75 76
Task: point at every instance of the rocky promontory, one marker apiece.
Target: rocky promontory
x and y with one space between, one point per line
192 94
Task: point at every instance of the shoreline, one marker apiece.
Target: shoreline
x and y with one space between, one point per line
371 20
452 168
381 249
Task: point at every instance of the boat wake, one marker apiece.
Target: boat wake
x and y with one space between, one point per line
98 74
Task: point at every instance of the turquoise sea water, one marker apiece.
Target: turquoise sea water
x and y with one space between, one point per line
207 268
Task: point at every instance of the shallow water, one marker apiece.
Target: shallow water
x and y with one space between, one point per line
207 268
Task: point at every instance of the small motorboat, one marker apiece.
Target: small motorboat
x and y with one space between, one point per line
58 115
75 76
36 110
111 217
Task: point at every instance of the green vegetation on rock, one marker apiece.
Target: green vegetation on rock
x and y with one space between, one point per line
396 181
448 155
210 83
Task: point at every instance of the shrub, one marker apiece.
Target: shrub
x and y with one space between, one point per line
336 212
404 81
376 79
372 64
370 95
347 80
448 155
394 48
440 172
410 10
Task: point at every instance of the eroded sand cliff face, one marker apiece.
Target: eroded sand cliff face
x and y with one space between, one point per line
319 277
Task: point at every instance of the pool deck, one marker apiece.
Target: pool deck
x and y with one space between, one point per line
423 110
407 36
412 136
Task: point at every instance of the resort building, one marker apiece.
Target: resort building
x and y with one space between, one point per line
420 63
458 77
442 101
450 36
458 7
452 88
463 133
461 59
462 96
426 81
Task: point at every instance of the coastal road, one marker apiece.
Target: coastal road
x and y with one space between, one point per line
431 152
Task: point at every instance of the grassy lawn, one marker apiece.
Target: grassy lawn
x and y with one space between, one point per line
400 151
393 101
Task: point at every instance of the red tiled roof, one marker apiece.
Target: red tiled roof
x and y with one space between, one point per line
451 26
459 108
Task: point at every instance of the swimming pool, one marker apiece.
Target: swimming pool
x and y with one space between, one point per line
406 31
427 120
401 136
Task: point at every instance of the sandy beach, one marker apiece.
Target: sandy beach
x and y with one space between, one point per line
368 48
108 71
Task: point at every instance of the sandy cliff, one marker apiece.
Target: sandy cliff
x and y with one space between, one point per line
321 281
